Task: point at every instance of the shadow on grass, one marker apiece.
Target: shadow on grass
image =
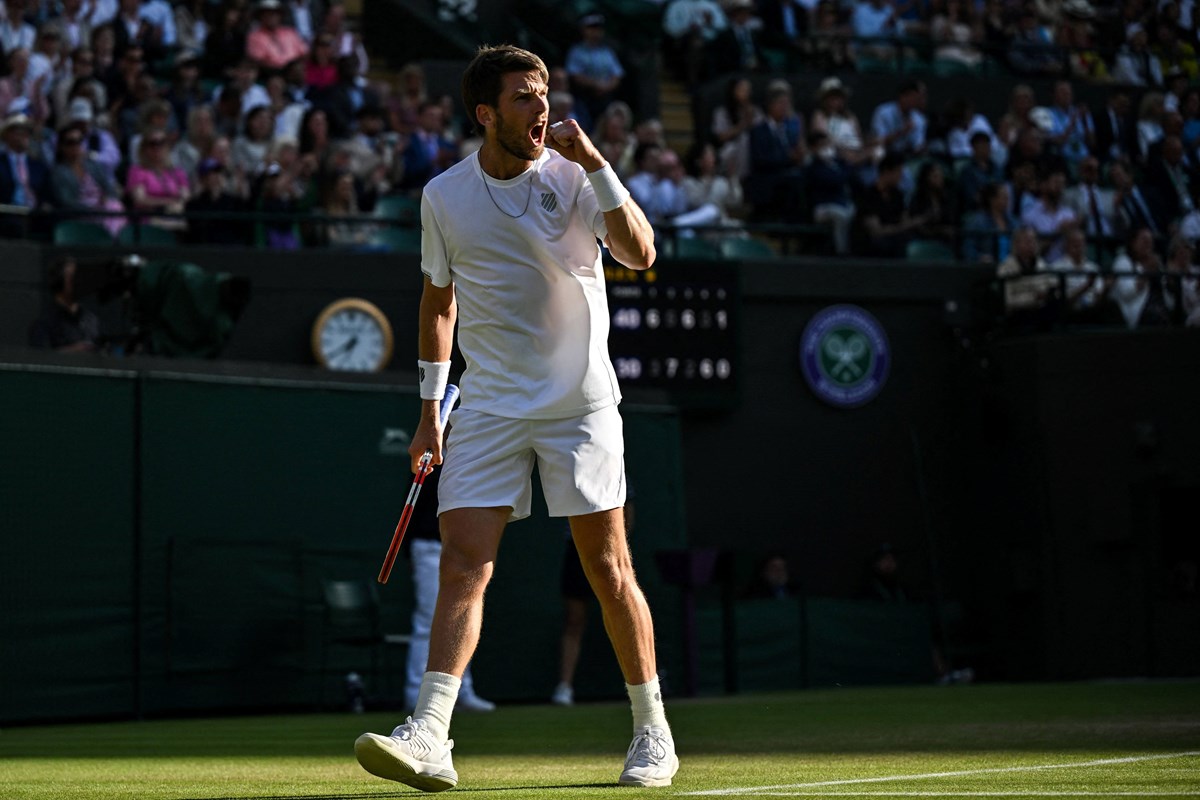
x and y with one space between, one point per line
404 793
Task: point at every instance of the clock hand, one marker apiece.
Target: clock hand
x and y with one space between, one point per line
348 346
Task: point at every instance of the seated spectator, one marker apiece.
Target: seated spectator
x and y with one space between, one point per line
933 203
1173 54
272 197
1023 188
885 225
642 183
314 135
250 148
430 152
104 43
738 48
1027 287
152 115
212 210
690 25
272 44
1116 133
613 137
82 72
24 178
46 60
1181 265
978 172
1031 51
1135 64
771 580
963 124
1050 217
672 203
340 199
403 103
1177 86
15 32
987 233
704 185
1071 133
1086 289
19 93
595 71
1145 297
957 35
154 185
1170 179
1134 208
320 68
1093 204
75 20
66 325
833 117
346 43
731 124
1150 124
148 26
185 92
777 151
197 140
225 44
1018 118
191 26
286 111
899 125
101 145
827 48
243 79
1031 149
827 180
1077 38
875 20
82 184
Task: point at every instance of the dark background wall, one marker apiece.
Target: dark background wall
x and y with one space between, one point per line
1040 491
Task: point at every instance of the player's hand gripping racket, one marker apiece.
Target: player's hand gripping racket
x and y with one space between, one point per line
423 469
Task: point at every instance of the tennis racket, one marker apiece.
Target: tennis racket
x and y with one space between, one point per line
423 470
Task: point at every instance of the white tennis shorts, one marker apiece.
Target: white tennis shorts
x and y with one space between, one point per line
488 463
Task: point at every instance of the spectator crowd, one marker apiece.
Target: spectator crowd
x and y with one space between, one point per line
182 115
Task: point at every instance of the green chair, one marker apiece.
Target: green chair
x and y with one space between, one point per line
398 240
399 207
78 232
353 618
147 235
689 247
739 247
929 250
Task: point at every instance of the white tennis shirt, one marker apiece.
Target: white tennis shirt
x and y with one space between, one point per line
532 311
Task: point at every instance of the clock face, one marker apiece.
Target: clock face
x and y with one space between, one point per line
352 335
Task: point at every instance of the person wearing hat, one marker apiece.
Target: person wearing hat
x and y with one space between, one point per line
272 44
24 178
594 70
833 117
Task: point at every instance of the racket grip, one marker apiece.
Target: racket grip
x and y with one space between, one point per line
448 400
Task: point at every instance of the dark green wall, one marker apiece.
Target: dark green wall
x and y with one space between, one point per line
166 536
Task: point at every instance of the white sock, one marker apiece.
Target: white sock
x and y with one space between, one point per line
646 700
435 702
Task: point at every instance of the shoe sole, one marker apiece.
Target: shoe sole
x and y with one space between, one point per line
632 781
377 756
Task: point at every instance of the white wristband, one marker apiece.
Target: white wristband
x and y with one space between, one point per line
608 187
433 377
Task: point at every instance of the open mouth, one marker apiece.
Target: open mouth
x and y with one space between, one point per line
538 134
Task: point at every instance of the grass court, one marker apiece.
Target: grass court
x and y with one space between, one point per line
1108 739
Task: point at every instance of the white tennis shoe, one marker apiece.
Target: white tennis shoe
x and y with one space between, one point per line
411 755
651 760
563 695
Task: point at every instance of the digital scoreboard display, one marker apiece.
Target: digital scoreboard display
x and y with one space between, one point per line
674 327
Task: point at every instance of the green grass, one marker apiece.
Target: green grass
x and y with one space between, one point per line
1028 741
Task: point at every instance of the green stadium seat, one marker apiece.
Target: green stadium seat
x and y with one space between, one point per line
398 240
147 235
399 207
739 247
78 232
929 250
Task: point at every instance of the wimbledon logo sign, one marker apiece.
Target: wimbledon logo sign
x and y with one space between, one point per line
844 355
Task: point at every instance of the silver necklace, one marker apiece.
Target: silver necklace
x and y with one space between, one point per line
529 197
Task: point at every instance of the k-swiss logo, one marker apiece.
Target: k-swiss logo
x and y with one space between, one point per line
549 201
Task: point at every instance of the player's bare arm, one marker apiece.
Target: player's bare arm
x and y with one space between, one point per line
435 342
630 238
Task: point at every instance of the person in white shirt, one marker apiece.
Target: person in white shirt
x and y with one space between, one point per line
1086 289
1145 299
518 268
1092 203
1049 216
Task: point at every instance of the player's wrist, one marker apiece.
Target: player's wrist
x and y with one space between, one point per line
433 376
610 192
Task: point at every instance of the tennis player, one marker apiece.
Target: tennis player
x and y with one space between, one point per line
510 251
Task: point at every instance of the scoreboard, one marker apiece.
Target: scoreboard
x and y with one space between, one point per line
674 327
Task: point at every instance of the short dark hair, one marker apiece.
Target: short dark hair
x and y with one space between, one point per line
482 80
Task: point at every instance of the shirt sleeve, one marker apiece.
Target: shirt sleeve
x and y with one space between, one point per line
435 262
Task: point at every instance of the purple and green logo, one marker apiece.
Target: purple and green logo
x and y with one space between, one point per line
845 356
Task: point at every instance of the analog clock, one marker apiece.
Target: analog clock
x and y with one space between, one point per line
353 335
